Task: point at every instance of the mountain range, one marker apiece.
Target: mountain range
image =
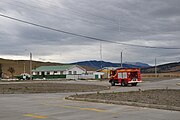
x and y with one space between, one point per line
145 68
23 65
100 64
164 68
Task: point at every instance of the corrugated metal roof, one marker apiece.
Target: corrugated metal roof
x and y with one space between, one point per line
53 68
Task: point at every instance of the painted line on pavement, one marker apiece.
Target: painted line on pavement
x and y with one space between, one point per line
35 116
78 108
86 109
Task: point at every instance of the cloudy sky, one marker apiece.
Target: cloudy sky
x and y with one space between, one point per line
154 23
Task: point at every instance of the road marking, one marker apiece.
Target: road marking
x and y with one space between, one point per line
87 109
79 108
35 116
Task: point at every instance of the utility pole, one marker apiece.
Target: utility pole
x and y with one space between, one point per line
155 68
30 66
101 54
121 60
122 57
24 67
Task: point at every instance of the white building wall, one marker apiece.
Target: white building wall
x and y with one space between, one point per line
72 77
45 73
90 72
34 73
99 74
40 73
62 72
58 73
51 72
77 69
86 76
76 77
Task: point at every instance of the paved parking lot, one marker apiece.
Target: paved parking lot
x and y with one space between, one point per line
54 107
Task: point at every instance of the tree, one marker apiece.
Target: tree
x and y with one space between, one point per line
0 70
12 71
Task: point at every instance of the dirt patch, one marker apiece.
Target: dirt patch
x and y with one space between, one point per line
156 79
17 88
168 97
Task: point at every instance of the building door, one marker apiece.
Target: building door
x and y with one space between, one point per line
96 76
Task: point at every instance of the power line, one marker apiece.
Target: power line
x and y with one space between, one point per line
78 13
81 35
47 13
75 12
72 10
113 22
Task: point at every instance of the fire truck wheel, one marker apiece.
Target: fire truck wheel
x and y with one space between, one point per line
134 84
112 83
123 83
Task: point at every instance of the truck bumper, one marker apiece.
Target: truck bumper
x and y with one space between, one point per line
134 81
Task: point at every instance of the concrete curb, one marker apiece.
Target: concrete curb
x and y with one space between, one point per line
178 84
164 107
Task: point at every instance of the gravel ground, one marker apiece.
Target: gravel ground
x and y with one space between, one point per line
18 88
156 79
168 97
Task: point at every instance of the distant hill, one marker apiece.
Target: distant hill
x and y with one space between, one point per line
18 65
165 68
140 64
97 64
145 68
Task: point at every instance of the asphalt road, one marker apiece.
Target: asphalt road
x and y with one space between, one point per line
54 107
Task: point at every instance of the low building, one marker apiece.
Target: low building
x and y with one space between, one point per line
57 71
98 75
106 71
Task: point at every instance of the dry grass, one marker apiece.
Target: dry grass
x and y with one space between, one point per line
161 75
22 88
18 65
167 97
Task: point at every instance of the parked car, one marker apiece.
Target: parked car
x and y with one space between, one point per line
24 76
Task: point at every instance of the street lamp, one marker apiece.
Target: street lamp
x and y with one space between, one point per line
30 66
30 63
121 60
155 68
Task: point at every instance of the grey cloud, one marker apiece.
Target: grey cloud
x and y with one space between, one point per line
142 22
168 8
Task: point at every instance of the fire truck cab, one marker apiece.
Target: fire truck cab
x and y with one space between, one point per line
125 76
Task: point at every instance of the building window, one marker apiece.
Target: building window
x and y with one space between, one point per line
74 72
55 72
70 72
61 72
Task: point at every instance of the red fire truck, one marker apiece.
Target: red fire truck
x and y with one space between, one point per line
125 76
